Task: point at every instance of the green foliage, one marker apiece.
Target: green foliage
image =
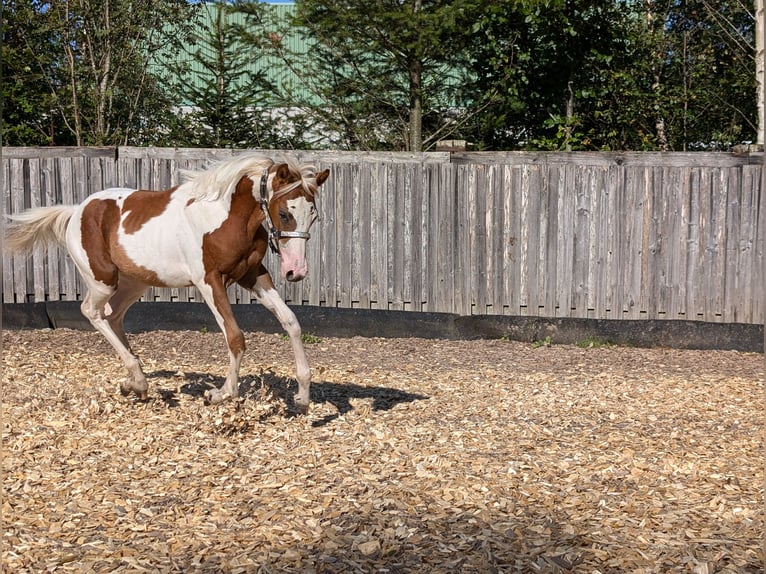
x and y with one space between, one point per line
706 92
77 73
555 63
384 74
604 75
547 342
506 74
29 114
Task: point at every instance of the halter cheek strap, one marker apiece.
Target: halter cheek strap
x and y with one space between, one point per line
275 234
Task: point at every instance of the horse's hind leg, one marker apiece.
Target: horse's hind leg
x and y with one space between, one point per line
94 307
268 296
129 290
89 249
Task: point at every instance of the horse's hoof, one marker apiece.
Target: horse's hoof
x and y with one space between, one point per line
301 404
140 389
215 396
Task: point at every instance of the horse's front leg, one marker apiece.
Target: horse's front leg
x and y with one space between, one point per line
267 296
213 289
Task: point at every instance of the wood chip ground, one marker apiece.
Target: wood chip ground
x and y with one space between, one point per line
416 456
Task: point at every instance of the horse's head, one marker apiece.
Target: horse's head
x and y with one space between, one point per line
293 210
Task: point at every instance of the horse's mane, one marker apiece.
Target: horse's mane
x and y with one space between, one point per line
220 179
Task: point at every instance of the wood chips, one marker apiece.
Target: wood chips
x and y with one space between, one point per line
416 456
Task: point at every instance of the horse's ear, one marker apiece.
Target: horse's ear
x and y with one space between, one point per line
281 177
322 177
283 172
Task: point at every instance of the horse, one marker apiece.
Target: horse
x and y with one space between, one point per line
210 231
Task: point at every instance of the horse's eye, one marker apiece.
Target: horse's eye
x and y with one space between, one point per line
284 217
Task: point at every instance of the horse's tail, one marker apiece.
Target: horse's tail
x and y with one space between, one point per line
39 225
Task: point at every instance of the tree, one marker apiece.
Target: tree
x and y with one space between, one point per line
382 73
218 84
712 74
94 57
563 54
562 75
611 75
28 60
760 64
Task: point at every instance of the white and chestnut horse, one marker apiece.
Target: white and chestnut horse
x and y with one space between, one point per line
210 231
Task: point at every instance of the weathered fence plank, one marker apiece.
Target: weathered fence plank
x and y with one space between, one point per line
18 201
564 241
614 235
50 192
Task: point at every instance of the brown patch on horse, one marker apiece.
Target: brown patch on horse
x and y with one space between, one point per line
106 257
141 206
99 217
228 249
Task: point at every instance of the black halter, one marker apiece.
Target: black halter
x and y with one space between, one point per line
275 234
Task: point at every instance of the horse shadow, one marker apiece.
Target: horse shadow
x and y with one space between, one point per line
251 387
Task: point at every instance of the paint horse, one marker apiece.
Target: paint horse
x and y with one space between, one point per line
210 231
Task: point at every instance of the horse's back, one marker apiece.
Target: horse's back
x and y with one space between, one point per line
114 191
117 194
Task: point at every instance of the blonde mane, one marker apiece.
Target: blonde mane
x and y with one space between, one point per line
220 179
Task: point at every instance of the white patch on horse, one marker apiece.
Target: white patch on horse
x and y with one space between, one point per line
293 251
174 252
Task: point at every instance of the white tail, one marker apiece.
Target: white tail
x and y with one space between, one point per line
42 224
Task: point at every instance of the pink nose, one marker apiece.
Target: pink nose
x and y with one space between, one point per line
293 257
294 270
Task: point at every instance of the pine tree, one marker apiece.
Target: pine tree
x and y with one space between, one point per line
385 74
221 93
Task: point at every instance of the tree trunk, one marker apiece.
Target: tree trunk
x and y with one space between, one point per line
656 31
415 65
101 69
71 61
759 68
416 106
570 117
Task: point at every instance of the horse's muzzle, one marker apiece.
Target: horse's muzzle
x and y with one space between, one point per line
294 266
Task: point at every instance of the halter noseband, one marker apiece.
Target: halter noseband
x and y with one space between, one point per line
275 234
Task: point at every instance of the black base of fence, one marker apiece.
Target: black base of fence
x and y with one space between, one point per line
335 322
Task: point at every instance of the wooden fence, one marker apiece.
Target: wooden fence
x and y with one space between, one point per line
590 235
